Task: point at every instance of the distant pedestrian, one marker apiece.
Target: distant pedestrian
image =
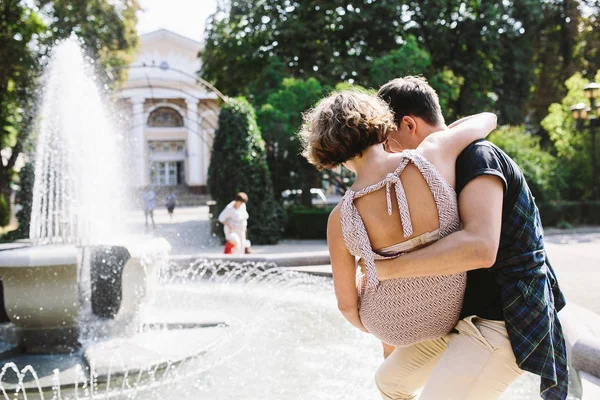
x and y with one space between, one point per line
234 218
149 200
171 203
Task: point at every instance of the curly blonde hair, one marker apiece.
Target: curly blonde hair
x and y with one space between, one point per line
342 126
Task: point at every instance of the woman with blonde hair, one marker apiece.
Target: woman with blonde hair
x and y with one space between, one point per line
397 203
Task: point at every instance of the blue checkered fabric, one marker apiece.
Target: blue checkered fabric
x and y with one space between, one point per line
531 298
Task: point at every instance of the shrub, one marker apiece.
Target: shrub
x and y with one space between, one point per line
542 170
557 213
564 225
238 164
4 211
25 199
307 223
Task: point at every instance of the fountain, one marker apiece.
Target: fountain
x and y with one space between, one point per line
80 274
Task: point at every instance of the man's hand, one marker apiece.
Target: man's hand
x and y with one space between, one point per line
474 247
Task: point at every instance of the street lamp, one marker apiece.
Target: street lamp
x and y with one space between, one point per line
589 117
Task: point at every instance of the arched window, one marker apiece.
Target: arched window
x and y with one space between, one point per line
165 117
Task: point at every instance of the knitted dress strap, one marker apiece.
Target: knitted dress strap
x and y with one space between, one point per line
354 232
443 194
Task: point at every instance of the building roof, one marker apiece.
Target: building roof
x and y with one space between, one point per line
167 35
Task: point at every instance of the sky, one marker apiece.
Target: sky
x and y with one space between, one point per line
185 17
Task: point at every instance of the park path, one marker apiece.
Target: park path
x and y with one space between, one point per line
575 256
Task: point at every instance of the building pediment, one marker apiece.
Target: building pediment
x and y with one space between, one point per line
166 56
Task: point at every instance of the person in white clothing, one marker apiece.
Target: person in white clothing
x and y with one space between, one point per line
234 218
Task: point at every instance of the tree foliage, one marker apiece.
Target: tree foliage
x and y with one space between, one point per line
485 49
572 146
4 212
25 199
543 172
28 30
107 28
331 41
279 120
238 163
20 28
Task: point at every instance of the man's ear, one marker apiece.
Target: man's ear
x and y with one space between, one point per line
410 124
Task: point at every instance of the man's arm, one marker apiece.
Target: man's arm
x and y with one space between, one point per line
474 247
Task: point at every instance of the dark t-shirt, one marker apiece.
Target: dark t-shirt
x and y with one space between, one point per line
482 295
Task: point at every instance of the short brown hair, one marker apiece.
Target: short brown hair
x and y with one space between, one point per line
412 95
342 126
241 196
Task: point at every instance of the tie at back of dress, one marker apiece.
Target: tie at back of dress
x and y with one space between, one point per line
354 232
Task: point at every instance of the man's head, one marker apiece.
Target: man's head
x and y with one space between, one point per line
416 108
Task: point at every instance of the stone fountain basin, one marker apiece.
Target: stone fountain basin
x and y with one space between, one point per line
50 291
40 284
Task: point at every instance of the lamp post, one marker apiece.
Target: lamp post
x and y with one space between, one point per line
589 117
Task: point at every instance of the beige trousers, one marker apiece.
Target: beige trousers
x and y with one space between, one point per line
475 363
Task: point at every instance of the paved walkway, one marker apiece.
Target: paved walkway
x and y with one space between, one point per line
189 234
575 255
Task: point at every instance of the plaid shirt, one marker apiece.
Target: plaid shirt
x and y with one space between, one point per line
531 298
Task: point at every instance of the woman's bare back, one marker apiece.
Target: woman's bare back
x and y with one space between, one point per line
385 230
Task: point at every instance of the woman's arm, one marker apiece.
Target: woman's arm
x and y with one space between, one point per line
442 148
343 267
460 121
452 142
224 216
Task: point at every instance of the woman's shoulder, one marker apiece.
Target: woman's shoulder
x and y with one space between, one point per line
336 213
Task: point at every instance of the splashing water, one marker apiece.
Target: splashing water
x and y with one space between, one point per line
79 186
285 339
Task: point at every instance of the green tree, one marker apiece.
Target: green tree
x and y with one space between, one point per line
279 119
543 172
487 45
238 163
486 48
107 28
554 55
328 40
411 59
20 28
572 146
4 212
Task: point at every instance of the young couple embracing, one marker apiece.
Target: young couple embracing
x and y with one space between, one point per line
454 278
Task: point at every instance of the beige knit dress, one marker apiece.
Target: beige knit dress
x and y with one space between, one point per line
405 311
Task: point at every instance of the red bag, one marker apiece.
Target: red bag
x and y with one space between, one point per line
228 247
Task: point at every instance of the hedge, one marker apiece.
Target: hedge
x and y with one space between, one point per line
307 223
311 223
573 212
238 163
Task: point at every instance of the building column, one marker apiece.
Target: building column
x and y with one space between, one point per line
205 148
193 143
139 142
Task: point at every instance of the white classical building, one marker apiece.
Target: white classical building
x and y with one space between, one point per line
173 113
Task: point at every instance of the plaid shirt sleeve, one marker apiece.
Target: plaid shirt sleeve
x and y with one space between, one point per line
531 300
